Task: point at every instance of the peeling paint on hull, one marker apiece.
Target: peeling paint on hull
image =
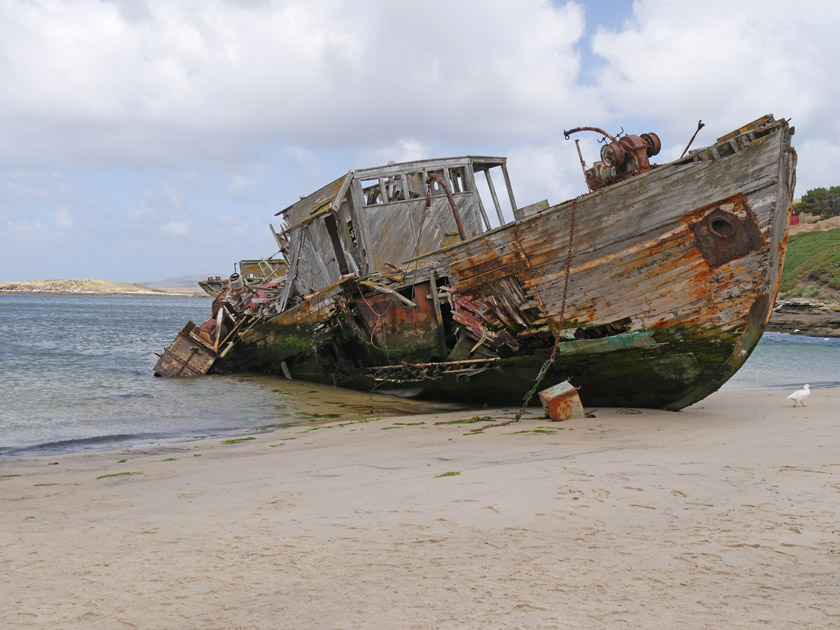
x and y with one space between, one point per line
667 291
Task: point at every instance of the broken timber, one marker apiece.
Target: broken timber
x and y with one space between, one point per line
419 274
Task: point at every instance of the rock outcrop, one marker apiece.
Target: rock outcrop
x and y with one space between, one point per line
804 316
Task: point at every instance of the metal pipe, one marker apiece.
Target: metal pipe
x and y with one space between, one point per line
595 129
437 177
582 164
700 125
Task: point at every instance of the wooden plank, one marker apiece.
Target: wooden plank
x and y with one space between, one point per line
473 188
292 275
516 214
495 197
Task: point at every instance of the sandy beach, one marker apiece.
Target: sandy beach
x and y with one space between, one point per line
722 515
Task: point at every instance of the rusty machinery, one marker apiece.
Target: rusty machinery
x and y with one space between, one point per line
622 157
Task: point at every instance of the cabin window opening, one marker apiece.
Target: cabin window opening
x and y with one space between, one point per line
372 192
392 188
491 187
726 149
449 328
384 190
407 292
444 294
415 185
437 189
458 177
351 232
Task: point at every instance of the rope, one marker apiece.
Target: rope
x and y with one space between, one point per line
378 321
557 332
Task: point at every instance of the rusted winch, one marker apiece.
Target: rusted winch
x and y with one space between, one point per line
621 158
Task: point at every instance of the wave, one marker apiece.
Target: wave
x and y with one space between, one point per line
82 444
123 396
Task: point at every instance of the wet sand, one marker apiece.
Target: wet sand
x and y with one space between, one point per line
723 515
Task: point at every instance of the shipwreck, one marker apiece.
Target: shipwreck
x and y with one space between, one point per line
651 290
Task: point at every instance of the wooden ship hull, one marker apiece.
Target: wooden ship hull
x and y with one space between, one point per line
651 290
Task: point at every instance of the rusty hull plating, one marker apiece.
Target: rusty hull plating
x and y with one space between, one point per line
415 276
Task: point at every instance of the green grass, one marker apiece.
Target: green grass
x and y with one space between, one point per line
359 421
812 260
121 474
6 476
238 440
468 420
36 485
340 424
168 459
447 474
306 414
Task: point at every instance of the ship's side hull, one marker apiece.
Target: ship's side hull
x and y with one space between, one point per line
672 279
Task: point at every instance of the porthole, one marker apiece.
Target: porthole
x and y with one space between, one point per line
721 226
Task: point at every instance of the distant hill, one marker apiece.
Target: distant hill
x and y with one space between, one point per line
812 265
83 286
183 281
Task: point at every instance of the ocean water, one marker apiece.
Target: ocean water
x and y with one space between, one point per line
785 361
76 374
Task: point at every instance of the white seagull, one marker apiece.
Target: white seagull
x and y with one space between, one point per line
800 395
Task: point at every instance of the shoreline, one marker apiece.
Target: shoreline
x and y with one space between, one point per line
721 514
125 442
103 293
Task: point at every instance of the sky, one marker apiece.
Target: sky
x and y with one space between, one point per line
150 139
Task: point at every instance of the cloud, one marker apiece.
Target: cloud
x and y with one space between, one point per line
403 150
725 62
243 183
29 186
164 135
550 172
23 230
163 82
63 218
161 212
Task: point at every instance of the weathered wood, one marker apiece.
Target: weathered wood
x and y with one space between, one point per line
470 173
495 197
441 330
291 277
671 275
381 289
514 209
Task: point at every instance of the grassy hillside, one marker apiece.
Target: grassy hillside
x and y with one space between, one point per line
812 265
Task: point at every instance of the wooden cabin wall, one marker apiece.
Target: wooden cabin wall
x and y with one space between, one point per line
317 267
402 230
